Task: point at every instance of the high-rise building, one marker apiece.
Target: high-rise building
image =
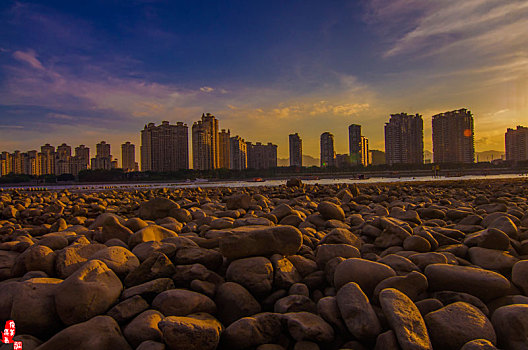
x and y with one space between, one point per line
165 147
62 160
364 152
404 139
224 147
103 157
295 150
48 159
205 145
354 143
5 164
453 139
238 153
81 160
261 156
17 164
327 150
516 144
128 156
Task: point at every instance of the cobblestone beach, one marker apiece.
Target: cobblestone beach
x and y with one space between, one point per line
422 265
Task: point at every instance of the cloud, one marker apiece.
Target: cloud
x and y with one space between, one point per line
11 127
206 89
29 57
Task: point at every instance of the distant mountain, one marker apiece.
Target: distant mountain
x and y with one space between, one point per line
488 156
306 159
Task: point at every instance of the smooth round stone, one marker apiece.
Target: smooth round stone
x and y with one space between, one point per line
520 275
330 210
367 274
511 325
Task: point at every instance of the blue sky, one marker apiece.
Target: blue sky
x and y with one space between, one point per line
82 72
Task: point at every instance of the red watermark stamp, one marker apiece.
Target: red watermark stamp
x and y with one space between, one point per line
9 333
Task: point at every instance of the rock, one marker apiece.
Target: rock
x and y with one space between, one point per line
520 275
330 210
448 297
181 302
358 314
88 292
261 241
112 228
405 320
428 305
157 266
35 258
118 259
255 274
490 238
479 344
194 332
98 333
454 325
399 264
506 225
417 244
294 182
511 325
367 274
307 326
238 201
387 341
32 306
252 331
284 273
294 303
144 327
424 259
195 255
234 302
341 236
150 233
157 208
151 345
412 285
128 309
69 259
326 252
149 290
492 259
481 283
328 309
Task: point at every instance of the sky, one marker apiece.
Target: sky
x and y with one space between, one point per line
82 72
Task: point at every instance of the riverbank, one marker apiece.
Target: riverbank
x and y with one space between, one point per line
408 264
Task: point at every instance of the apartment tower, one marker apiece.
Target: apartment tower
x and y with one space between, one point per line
295 150
164 148
517 144
205 143
238 153
404 139
453 138
327 150
224 146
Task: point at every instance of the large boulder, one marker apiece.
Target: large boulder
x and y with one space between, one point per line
511 325
520 276
234 302
157 208
98 333
455 324
150 233
35 258
118 259
194 332
248 332
88 292
308 326
69 259
358 314
481 283
329 210
182 302
144 327
405 320
367 274
255 274
261 241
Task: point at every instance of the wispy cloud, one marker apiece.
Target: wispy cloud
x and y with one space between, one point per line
28 57
206 89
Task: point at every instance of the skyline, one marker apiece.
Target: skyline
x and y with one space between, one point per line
83 76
